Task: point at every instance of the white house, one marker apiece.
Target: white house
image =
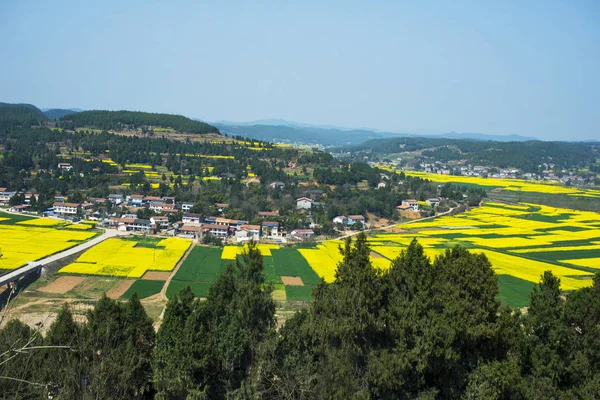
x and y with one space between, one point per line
191 218
412 203
381 185
302 234
135 199
248 232
216 230
405 207
352 219
65 166
6 196
115 198
433 202
304 203
65 208
340 219
186 206
277 185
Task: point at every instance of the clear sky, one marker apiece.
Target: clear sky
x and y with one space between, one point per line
499 67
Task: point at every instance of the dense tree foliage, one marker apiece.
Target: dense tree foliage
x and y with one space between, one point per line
526 156
424 329
119 120
16 115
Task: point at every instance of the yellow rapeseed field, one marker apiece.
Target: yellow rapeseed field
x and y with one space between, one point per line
509 184
324 259
21 243
123 258
231 252
515 238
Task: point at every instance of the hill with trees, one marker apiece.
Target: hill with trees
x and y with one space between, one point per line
16 115
58 113
526 156
327 136
124 120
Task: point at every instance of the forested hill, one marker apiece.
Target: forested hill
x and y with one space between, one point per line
524 155
57 113
20 115
122 120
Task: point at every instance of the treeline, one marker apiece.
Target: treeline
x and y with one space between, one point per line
526 156
421 330
119 120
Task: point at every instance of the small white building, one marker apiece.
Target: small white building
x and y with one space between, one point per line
433 202
65 208
412 203
304 203
5 197
186 206
277 185
302 234
352 219
340 219
191 218
65 166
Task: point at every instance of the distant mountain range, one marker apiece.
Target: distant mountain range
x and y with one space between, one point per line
58 113
278 130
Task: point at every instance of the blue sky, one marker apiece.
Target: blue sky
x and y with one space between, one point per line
500 67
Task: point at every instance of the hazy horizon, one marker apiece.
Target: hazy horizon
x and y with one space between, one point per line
504 68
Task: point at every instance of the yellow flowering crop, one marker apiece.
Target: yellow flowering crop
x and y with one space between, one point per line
531 270
122 258
42 222
231 252
324 259
20 243
585 262
495 229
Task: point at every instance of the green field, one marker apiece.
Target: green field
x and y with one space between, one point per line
204 264
298 293
289 262
200 289
13 218
513 291
143 288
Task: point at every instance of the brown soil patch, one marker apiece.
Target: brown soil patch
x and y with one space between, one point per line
292 281
376 255
156 276
117 290
63 284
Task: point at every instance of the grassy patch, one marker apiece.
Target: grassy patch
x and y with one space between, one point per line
298 293
202 265
289 262
143 288
13 218
513 291
148 242
545 218
200 289
554 256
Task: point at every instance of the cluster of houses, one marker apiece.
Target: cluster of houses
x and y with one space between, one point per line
349 220
191 225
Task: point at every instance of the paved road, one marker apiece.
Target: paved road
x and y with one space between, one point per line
36 265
